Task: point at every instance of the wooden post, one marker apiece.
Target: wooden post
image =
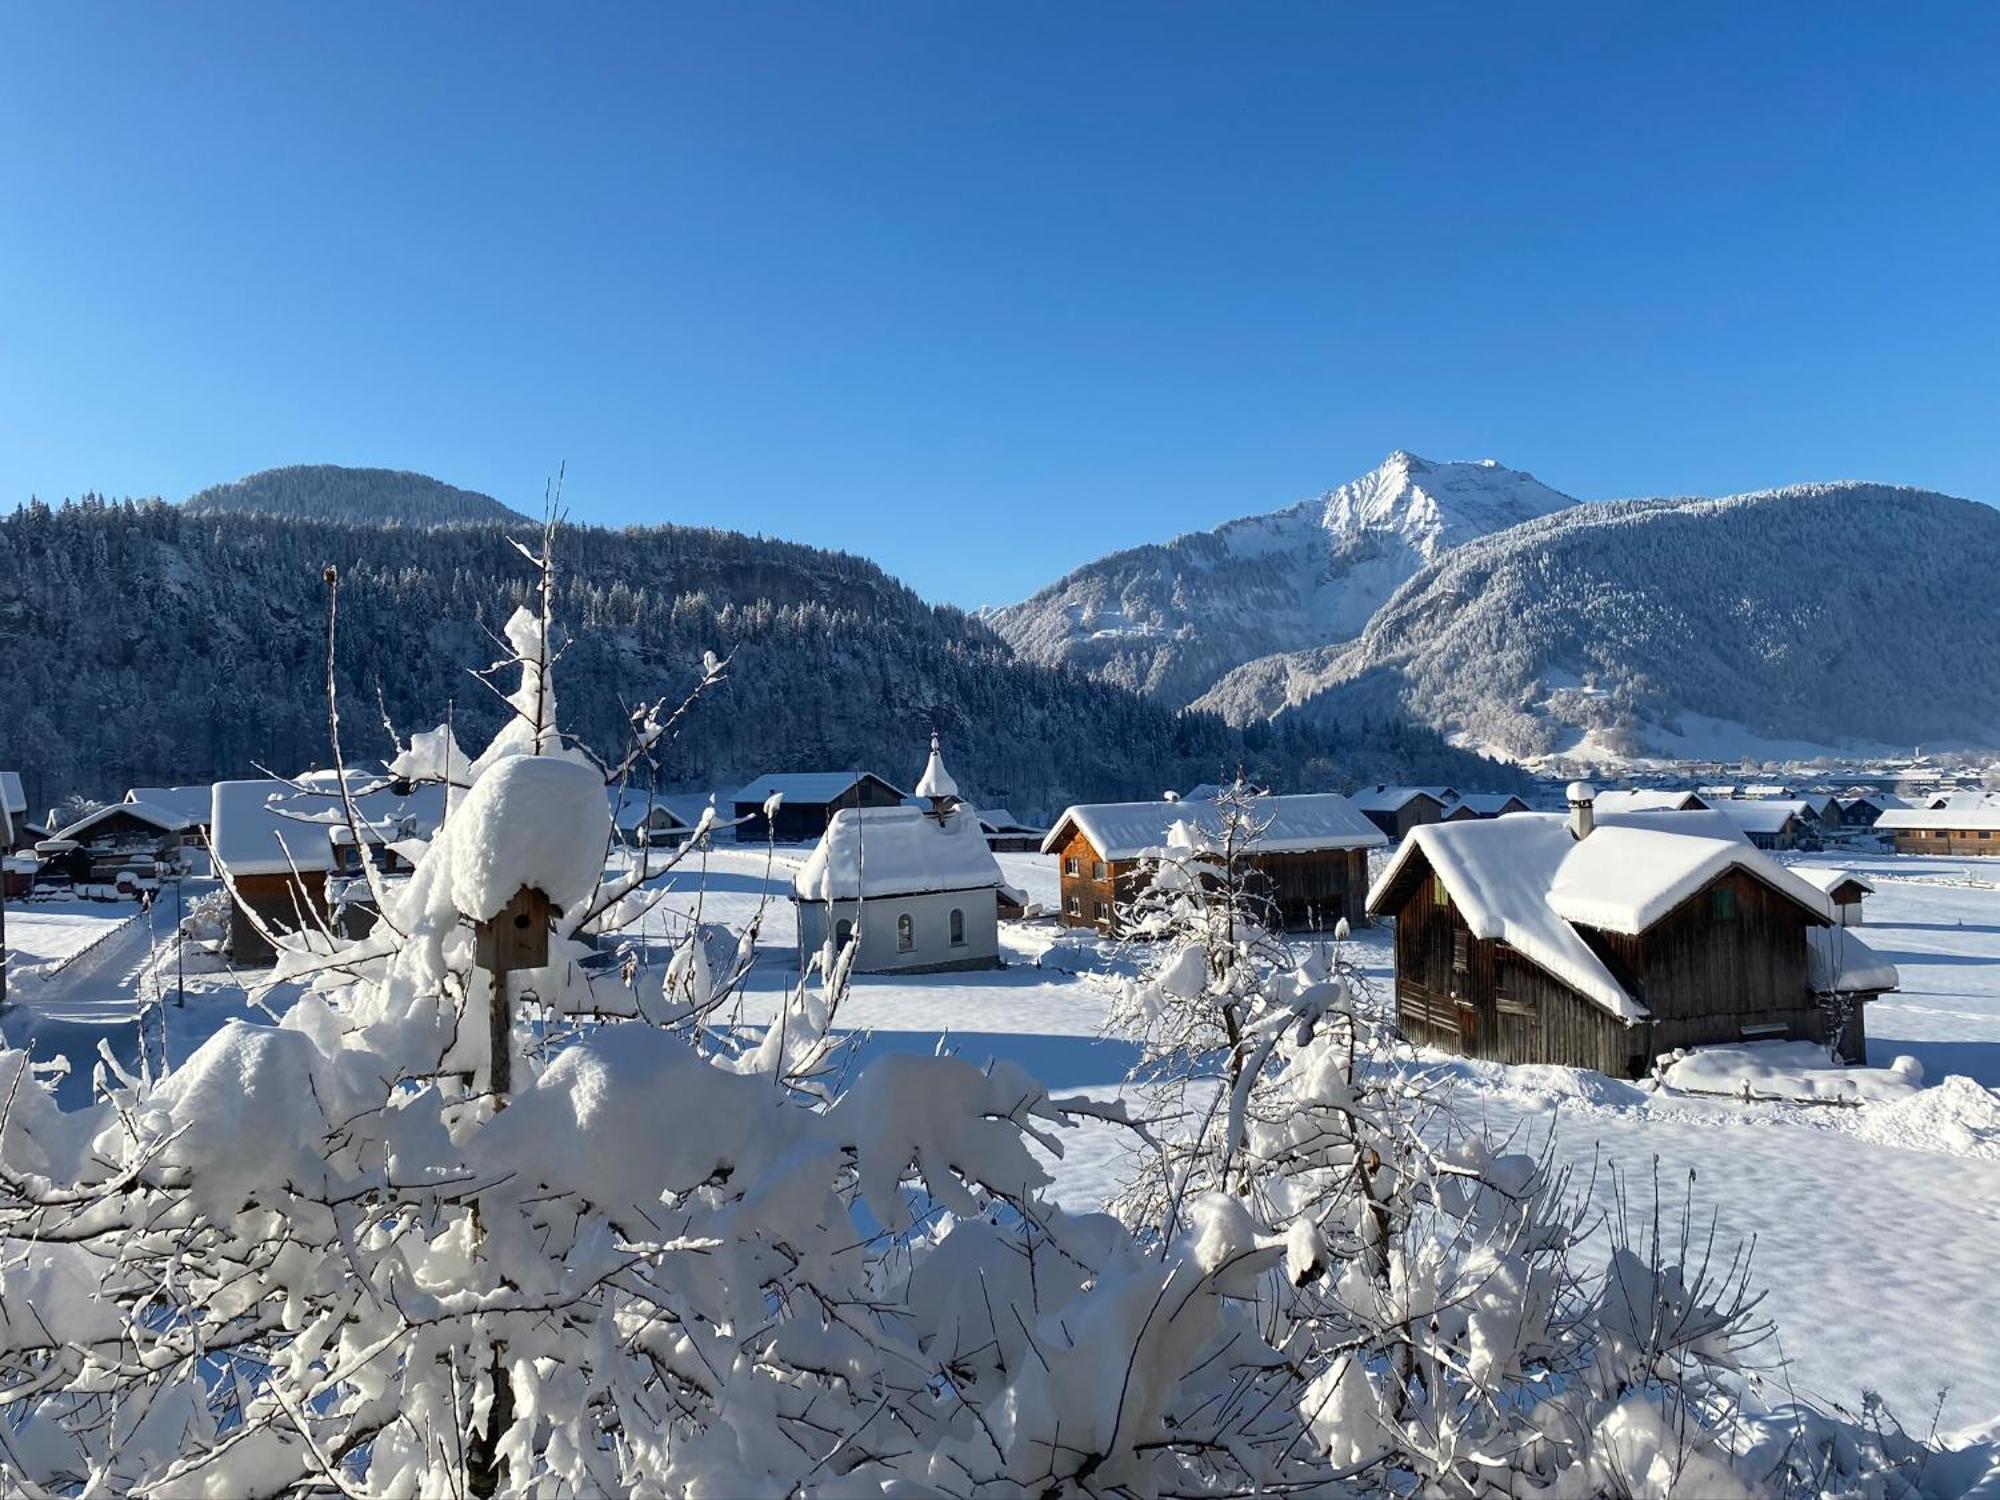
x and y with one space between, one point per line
516 937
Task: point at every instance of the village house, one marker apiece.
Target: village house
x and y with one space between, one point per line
1843 888
1005 834
1395 810
188 803
1860 808
915 888
1312 855
1772 823
133 838
1483 805
1603 942
809 799
646 820
1973 830
291 858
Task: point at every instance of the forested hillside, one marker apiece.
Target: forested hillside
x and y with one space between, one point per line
140 643
333 492
1833 614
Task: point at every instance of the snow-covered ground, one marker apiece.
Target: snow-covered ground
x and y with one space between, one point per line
47 932
1876 1227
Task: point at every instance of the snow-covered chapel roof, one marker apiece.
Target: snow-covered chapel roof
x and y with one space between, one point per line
1529 882
936 782
1296 824
870 852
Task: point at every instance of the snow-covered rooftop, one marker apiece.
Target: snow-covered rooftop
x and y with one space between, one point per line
1762 816
869 852
1381 798
1530 883
145 812
811 788
1946 818
1828 877
1646 799
1488 804
1839 962
12 798
1312 820
254 825
633 805
188 803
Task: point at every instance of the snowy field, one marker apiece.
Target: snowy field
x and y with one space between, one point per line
1876 1228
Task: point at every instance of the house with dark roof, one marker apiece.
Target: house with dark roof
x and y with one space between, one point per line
1398 809
807 801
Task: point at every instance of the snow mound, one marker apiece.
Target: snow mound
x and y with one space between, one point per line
1956 1117
1801 1071
532 820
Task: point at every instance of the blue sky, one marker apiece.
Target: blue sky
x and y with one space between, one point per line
986 291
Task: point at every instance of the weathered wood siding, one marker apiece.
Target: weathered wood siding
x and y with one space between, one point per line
1087 899
277 900
1479 997
1726 964
1972 841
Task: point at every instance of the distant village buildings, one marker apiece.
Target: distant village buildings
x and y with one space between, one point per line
808 801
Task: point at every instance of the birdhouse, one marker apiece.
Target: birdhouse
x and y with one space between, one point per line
517 937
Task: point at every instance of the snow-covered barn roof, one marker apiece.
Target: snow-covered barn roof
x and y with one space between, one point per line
1490 804
1830 878
188 803
1762 816
1946 818
870 852
1000 820
1128 830
804 788
633 805
270 827
1529 882
1382 798
145 812
1648 799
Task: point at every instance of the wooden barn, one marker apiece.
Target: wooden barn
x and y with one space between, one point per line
1845 889
1973 830
809 801
122 836
1313 856
188 803
1006 834
1602 943
1395 810
646 820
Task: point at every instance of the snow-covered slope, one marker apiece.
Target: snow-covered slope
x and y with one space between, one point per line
1835 615
1169 620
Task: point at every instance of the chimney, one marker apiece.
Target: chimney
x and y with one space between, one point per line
1582 809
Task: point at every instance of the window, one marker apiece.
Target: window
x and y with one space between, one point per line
1439 895
1097 870
1102 912
957 928
1461 951
1724 903
1072 866
1076 906
906 934
843 933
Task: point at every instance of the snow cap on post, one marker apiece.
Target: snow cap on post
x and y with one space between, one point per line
532 820
1582 809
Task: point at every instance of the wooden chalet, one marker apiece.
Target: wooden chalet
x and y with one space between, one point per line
1957 830
117 838
1395 810
1602 943
809 799
1313 856
190 804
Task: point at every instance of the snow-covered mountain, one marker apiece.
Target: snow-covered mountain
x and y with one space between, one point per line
366 497
1837 615
1169 620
